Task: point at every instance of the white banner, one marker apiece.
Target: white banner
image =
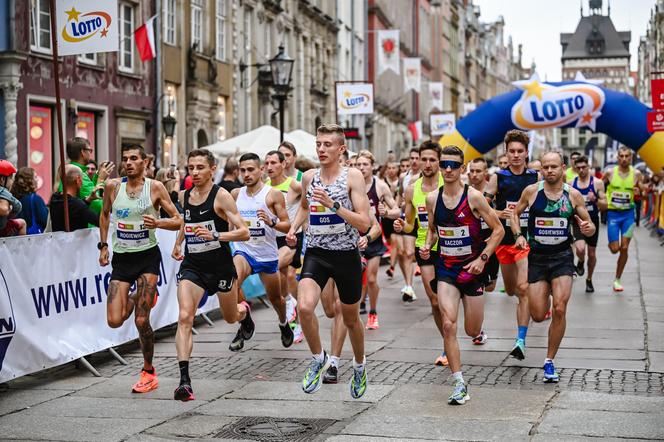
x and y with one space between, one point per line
468 108
354 98
436 96
442 124
412 68
86 26
388 51
53 300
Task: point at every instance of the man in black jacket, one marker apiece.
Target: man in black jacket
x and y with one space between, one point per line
80 215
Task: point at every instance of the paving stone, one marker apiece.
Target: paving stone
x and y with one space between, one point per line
14 400
603 424
575 400
284 408
191 426
293 391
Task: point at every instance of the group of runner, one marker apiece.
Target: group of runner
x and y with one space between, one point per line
527 223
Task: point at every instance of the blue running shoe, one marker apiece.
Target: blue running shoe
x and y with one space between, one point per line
313 378
519 350
358 383
550 373
459 395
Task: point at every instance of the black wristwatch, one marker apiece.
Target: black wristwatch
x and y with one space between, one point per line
484 257
101 245
215 236
336 206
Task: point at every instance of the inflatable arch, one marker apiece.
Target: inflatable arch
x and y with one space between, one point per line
579 103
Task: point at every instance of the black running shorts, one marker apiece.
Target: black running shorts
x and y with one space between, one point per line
212 282
343 266
375 249
296 263
128 266
433 256
491 268
387 225
590 240
548 267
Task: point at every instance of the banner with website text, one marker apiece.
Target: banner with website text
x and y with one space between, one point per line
53 300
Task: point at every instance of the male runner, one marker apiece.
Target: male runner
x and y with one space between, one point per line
506 185
592 191
620 183
290 155
289 258
571 172
207 266
477 176
383 206
455 214
553 207
134 203
264 210
417 220
503 162
336 206
387 224
408 256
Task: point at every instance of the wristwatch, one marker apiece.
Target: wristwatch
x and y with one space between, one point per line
215 236
274 222
484 257
336 206
101 245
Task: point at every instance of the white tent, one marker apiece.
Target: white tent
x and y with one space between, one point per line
262 140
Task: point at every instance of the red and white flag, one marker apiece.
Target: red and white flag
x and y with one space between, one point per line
388 50
416 130
144 37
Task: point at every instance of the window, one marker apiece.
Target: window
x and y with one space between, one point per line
40 24
169 22
88 58
197 25
221 30
221 114
126 54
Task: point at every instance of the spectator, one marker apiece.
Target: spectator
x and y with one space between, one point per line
35 212
231 173
80 215
79 153
92 169
9 206
170 178
150 168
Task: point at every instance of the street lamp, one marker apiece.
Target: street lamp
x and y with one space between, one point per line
281 67
168 123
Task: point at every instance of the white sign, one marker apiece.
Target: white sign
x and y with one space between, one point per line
58 314
442 124
468 108
436 96
388 51
354 98
412 70
86 26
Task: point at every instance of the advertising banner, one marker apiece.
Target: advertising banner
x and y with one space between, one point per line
40 148
58 314
388 51
412 70
656 121
657 90
436 96
85 27
354 98
85 127
442 124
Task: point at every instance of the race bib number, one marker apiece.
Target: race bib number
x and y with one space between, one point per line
132 235
621 200
323 221
590 205
196 244
523 219
423 217
454 241
551 231
256 227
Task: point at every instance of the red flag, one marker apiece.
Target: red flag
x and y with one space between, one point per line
145 43
415 130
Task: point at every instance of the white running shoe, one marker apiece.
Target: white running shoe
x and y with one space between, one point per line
408 294
291 311
298 336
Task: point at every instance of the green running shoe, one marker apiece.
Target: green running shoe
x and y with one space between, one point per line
358 383
313 378
519 350
460 394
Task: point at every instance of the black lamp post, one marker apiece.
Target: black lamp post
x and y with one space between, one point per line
168 123
281 67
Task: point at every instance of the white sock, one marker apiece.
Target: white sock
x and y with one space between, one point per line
334 361
359 367
458 377
283 323
547 360
320 357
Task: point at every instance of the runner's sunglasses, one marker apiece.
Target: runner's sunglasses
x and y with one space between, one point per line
444 164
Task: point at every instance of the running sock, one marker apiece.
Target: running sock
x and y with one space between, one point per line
283 324
184 372
334 361
521 333
373 312
547 360
458 377
320 357
150 371
359 367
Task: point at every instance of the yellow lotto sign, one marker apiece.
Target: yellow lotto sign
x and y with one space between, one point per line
84 27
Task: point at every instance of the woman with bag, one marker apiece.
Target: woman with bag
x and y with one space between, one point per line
34 212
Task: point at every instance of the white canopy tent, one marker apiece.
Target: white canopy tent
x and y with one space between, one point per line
264 139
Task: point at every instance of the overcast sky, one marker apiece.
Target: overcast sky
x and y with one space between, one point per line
537 24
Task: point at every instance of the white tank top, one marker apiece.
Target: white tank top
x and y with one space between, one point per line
262 244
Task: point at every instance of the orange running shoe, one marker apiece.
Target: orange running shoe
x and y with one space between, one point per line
418 271
146 382
372 322
441 360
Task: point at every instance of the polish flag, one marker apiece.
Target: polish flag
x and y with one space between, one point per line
416 130
144 37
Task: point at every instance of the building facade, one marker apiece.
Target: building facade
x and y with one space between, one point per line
107 98
651 53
